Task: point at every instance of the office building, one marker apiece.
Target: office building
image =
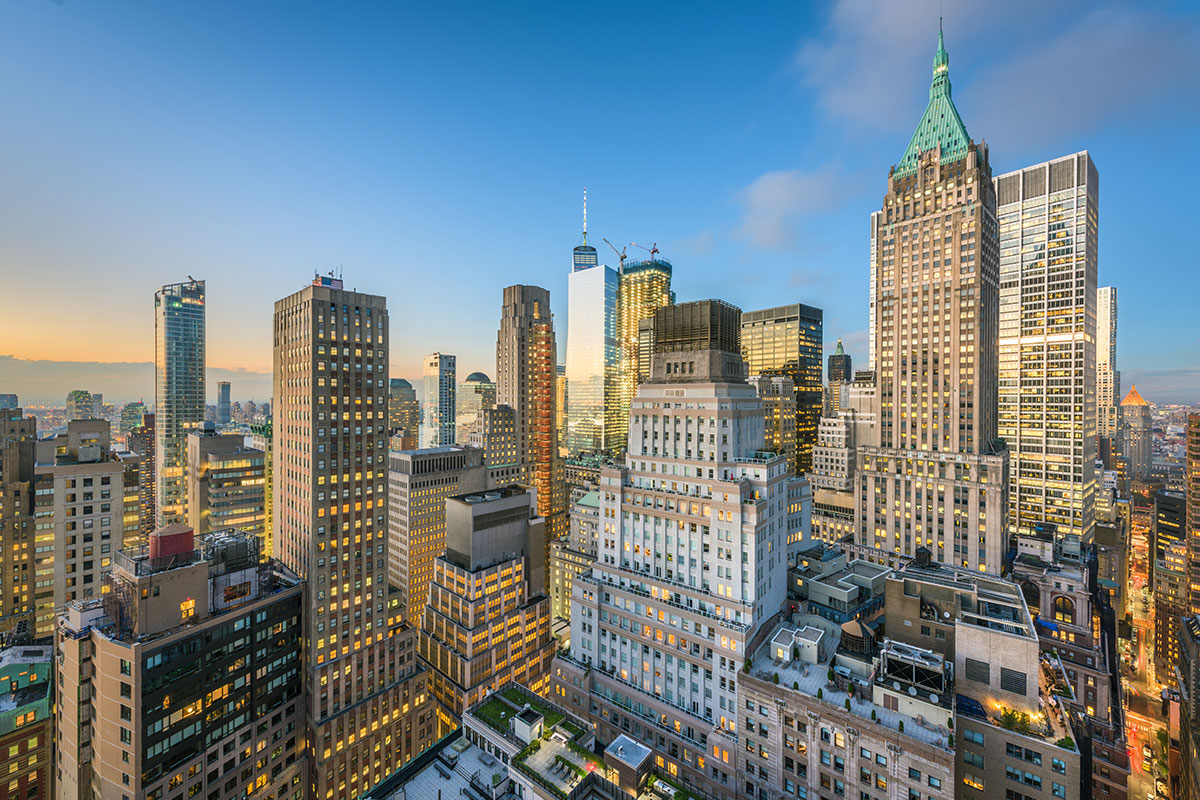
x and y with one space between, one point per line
682 586
226 484
838 372
1077 624
131 417
80 405
1049 223
574 553
475 394
1136 434
8 402
27 722
1168 577
1108 377
404 410
419 483
224 413
1189 716
594 419
642 288
834 460
79 510
786 340
487 622
262 439
179 365
141 442
495 435
330 452
131 502
18 452
778 396
185 678
526 377
438 402
1192 511
560 408
938 477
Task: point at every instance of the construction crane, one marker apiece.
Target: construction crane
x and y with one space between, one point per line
652 249
620 253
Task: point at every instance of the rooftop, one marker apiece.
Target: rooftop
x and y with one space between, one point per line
456 768
1050 723
811 678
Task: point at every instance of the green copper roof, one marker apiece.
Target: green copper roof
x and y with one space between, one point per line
839 351
940 125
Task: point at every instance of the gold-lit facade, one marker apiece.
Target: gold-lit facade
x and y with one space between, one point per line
642 288
937 478
786 340
1048 217
527 382
367 712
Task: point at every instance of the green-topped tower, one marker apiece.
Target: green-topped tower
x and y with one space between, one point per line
937 478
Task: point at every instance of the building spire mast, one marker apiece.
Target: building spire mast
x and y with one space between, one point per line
585 215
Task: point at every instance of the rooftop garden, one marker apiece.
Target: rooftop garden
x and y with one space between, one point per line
514 695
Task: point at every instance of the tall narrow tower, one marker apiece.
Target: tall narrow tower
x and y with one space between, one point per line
643 287
526 375
365 695
937 478
440 400
593 417
179 363
1108 378
1049 218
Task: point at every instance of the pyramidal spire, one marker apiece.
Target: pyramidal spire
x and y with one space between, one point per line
839 351
940 125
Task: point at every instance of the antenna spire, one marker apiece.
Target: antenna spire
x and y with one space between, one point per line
585 215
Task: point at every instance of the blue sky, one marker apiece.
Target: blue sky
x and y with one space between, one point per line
438 153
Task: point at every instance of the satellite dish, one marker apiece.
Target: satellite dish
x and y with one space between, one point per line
933 697
946 614
896 685
912 690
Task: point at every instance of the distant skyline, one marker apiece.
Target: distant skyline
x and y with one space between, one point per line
438 156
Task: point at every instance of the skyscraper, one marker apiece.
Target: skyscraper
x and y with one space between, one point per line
141 441
131 416
179 347
8 402
1136 433
419 482
226 484
474 394
594 419
526 377
786 340
642 288
438 401
838 373
661 625
937 480
1192 495
224 417
367 709
404 410
487 622
167 609
1108 377
80 405
839 364
1048 217
18 444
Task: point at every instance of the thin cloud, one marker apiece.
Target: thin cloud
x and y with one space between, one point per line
775 204
1112 63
